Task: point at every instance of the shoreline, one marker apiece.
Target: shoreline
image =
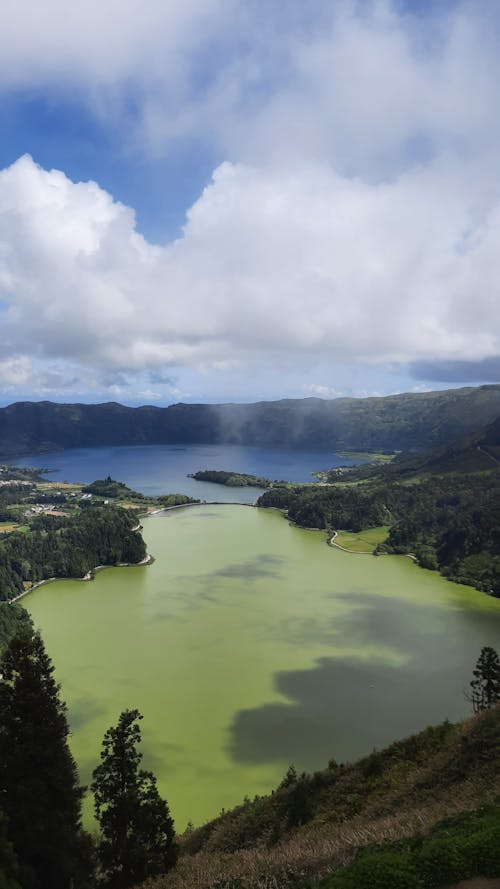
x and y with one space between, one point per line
147 560
34 587
367 552
353 552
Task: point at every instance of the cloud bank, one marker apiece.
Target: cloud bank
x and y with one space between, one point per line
353 215
271 264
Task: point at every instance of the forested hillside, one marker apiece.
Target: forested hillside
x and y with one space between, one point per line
67 547
329 507
441 506
397 422
477 452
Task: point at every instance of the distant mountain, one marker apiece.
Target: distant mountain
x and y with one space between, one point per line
478 452
409 422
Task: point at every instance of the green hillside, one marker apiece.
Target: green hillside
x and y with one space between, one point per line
478 452
441 506
314 825
409 422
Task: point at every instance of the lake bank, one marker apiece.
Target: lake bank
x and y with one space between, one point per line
158 469
249 644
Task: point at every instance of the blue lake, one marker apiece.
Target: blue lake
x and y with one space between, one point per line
164 469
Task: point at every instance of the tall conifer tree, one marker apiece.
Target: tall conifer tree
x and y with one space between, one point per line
485 687
39 790
9 868
137 830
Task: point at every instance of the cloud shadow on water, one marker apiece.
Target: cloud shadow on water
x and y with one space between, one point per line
263 566
345 706
83 711
203 588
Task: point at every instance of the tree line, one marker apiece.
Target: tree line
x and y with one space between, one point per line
67 547
42 842
451 523
329 507
231 479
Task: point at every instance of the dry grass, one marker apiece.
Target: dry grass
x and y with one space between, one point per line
58 486
313 853
6 527
401 800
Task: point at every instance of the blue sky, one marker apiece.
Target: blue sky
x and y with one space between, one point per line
236 200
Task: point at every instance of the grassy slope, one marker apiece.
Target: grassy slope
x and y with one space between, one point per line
318 823
362 541
466 846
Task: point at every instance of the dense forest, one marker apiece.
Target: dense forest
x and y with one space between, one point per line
332 507
452 524
14 619
438 510
397 422
67 547
449 523
231 479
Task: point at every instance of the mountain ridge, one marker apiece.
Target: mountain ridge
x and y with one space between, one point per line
407 421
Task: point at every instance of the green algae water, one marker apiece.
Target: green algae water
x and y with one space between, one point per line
249 644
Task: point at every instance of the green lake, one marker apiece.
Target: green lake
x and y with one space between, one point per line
249 644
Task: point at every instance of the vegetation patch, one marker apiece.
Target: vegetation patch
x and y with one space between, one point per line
61 546
109 488
13 620
457 849
449 520
231 479
313 826
363 541
50 529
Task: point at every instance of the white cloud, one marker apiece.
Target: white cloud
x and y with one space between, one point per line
106 43
365 87
358 219
319 390
273 266
377 87
360 85
15 371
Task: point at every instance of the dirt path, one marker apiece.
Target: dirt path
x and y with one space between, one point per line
487 454
355 552
363 552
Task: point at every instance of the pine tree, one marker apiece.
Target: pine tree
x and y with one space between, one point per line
9 868
39 790
485 687
138 837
